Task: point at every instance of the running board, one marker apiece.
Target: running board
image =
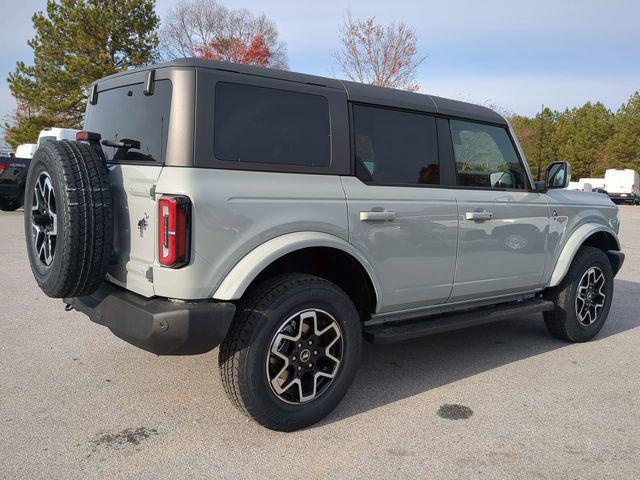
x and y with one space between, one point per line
399 331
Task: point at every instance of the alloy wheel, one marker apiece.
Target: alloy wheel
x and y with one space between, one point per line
304 356
44 219
591 297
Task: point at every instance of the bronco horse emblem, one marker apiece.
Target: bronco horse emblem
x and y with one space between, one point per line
143 223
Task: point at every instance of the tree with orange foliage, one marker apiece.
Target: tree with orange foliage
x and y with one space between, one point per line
255 52
379 55
208 29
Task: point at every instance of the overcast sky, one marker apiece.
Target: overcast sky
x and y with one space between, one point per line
515 54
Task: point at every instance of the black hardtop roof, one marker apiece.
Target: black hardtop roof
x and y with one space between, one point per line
356 92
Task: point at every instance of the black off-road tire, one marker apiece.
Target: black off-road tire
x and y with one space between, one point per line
563 321
83 200
243 354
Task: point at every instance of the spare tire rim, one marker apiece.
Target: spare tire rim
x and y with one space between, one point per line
44 219
304 356
591 296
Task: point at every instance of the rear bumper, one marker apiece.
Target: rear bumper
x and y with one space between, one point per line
158 325
11 190
624 197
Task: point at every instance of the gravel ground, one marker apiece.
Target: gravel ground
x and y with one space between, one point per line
499 401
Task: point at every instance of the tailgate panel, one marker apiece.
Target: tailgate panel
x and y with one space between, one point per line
134 226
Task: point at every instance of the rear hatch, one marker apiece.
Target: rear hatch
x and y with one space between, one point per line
138 120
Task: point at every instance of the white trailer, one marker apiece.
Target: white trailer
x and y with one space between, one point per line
623 185
594 182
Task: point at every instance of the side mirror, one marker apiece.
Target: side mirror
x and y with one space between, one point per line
557 175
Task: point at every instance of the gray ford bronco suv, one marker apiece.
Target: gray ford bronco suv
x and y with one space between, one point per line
287 217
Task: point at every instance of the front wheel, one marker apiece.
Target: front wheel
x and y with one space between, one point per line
292 351
583 298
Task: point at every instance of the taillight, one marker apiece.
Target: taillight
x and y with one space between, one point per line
174 229
87 136
3 167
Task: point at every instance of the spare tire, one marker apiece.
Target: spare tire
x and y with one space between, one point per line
68 218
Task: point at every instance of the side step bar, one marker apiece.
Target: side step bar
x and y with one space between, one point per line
397 332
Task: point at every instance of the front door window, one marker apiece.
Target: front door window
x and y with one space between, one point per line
485 157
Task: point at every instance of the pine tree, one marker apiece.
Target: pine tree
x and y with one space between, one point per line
76 42
623 149
537 138
581 136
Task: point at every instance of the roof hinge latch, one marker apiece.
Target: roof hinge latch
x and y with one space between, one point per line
93 96
149 83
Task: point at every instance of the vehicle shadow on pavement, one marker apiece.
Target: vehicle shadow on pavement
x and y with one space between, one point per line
389 373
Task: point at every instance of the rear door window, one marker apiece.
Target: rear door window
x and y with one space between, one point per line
394 147
485 157
269 126
126 113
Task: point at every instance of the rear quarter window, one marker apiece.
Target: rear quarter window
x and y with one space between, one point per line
262 125
127 113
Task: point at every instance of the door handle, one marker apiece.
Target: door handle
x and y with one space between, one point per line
381 216
478 216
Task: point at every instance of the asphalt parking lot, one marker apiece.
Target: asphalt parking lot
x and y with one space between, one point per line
76 402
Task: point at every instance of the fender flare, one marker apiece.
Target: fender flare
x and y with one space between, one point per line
573 244
237 281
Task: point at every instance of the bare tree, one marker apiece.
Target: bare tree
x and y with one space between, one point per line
489 103
194 26
379 55
504 111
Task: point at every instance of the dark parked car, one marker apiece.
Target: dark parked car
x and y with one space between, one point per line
13 174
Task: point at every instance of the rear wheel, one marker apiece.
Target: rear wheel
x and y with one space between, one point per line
292 351
583 298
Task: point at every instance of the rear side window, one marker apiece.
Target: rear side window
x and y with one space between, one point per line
485 156
265 125
394 147
126 113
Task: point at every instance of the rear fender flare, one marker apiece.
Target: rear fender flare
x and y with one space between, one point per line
246 270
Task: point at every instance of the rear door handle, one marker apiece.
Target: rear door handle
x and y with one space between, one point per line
381 216
482 215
